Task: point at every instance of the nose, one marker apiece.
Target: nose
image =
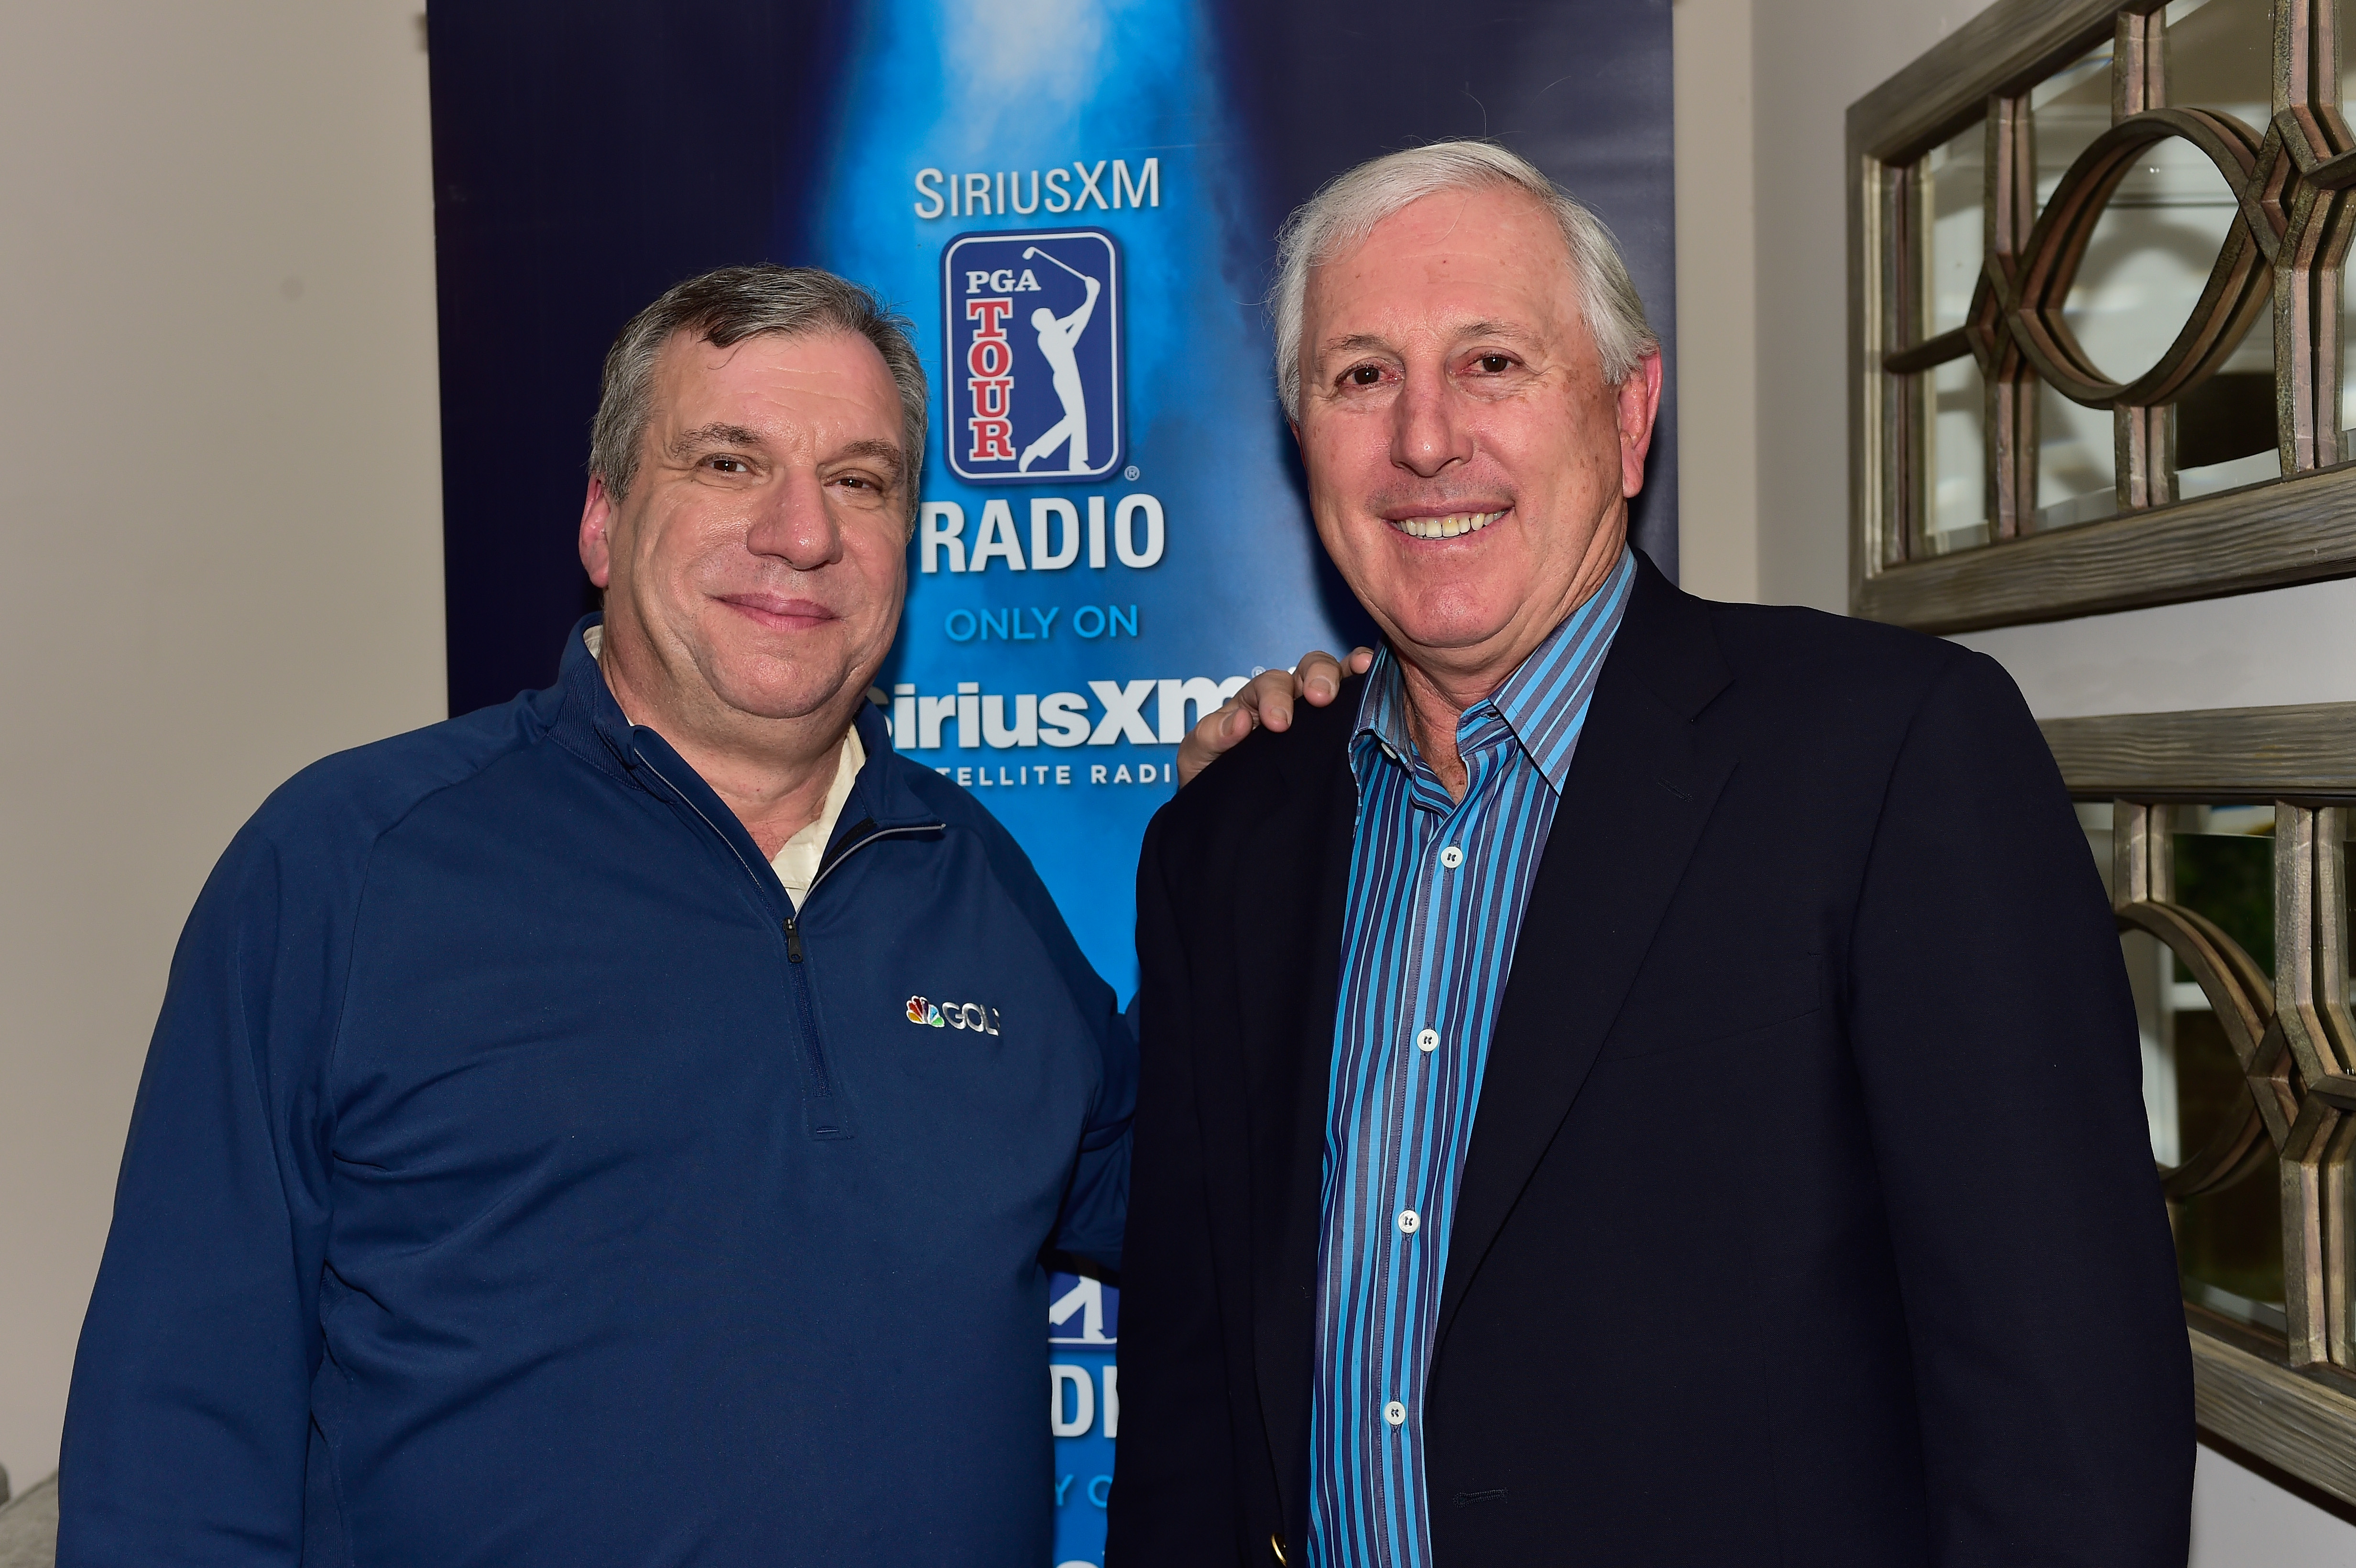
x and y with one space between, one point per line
795 525
1426 435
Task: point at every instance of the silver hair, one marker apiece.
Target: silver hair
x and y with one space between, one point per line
726 306
1341 214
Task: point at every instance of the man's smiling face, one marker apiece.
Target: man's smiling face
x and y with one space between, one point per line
757 566
1468 465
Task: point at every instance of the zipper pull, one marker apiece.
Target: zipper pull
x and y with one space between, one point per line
793 943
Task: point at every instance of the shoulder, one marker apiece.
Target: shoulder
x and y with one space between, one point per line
1787 655
1268 802
945 798
347 800
965 817
1269 768
1828 703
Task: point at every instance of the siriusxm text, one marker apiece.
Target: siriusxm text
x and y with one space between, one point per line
1077 188
971 718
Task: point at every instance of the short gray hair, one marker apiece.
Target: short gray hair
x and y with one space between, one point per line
1341 214
725 307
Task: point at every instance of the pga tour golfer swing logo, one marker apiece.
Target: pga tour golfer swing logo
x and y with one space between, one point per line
1033 326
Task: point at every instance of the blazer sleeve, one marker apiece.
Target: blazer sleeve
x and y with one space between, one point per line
1174 1499
1995 1038
187 1427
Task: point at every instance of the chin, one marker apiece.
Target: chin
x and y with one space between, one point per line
773 702
1449 621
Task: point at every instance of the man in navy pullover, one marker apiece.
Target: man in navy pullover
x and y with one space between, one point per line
623 1126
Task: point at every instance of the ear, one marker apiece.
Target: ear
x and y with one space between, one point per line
597 518
1639 399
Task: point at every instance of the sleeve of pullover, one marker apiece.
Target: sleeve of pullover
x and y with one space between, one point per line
187 1427
1096 1205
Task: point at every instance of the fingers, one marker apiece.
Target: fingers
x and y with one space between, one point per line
1215 735
1319 675
1267 700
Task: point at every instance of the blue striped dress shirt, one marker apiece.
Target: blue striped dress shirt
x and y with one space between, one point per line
1437 889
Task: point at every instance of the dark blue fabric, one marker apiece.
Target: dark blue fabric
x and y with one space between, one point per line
500 1191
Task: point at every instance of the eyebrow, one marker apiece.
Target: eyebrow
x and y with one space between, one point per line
888 451
703 437
1361 342
1505 329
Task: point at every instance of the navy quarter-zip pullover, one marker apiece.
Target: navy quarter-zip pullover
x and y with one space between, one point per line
518 1177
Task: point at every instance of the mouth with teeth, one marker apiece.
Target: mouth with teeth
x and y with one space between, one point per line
1454 526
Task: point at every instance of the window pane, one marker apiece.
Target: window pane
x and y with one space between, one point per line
1952 182
2226 426
2228 1244
2221 55
2076 476
2068 110
2346 19
2149 258
2077 467
2147 976
1956 459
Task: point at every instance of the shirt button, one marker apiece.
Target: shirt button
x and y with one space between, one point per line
1394 1412
1452 857
1428 1040
1407 1221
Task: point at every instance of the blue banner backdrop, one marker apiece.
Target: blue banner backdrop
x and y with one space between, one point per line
1073 200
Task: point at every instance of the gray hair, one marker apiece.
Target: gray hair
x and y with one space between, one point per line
726 306
1341 214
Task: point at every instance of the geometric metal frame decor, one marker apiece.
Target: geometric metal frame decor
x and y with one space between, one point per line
2294 188
2291 1400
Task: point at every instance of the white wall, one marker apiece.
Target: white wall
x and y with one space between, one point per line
220 498
1718 301
1786 277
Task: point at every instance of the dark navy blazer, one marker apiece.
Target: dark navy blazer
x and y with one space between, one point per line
1809 1216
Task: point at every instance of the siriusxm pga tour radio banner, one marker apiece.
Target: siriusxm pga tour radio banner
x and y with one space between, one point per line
1074 201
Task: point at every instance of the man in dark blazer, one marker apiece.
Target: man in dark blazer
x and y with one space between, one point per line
1754 1171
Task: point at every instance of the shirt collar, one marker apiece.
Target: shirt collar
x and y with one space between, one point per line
1544 702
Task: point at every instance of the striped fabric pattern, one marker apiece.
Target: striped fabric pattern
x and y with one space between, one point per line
1437 891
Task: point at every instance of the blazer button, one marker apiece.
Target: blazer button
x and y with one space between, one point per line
1276 1544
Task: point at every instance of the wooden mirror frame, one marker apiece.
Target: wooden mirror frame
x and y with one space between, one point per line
2291 180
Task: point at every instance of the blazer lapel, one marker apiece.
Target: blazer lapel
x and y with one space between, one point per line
1640 790
1288 1062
